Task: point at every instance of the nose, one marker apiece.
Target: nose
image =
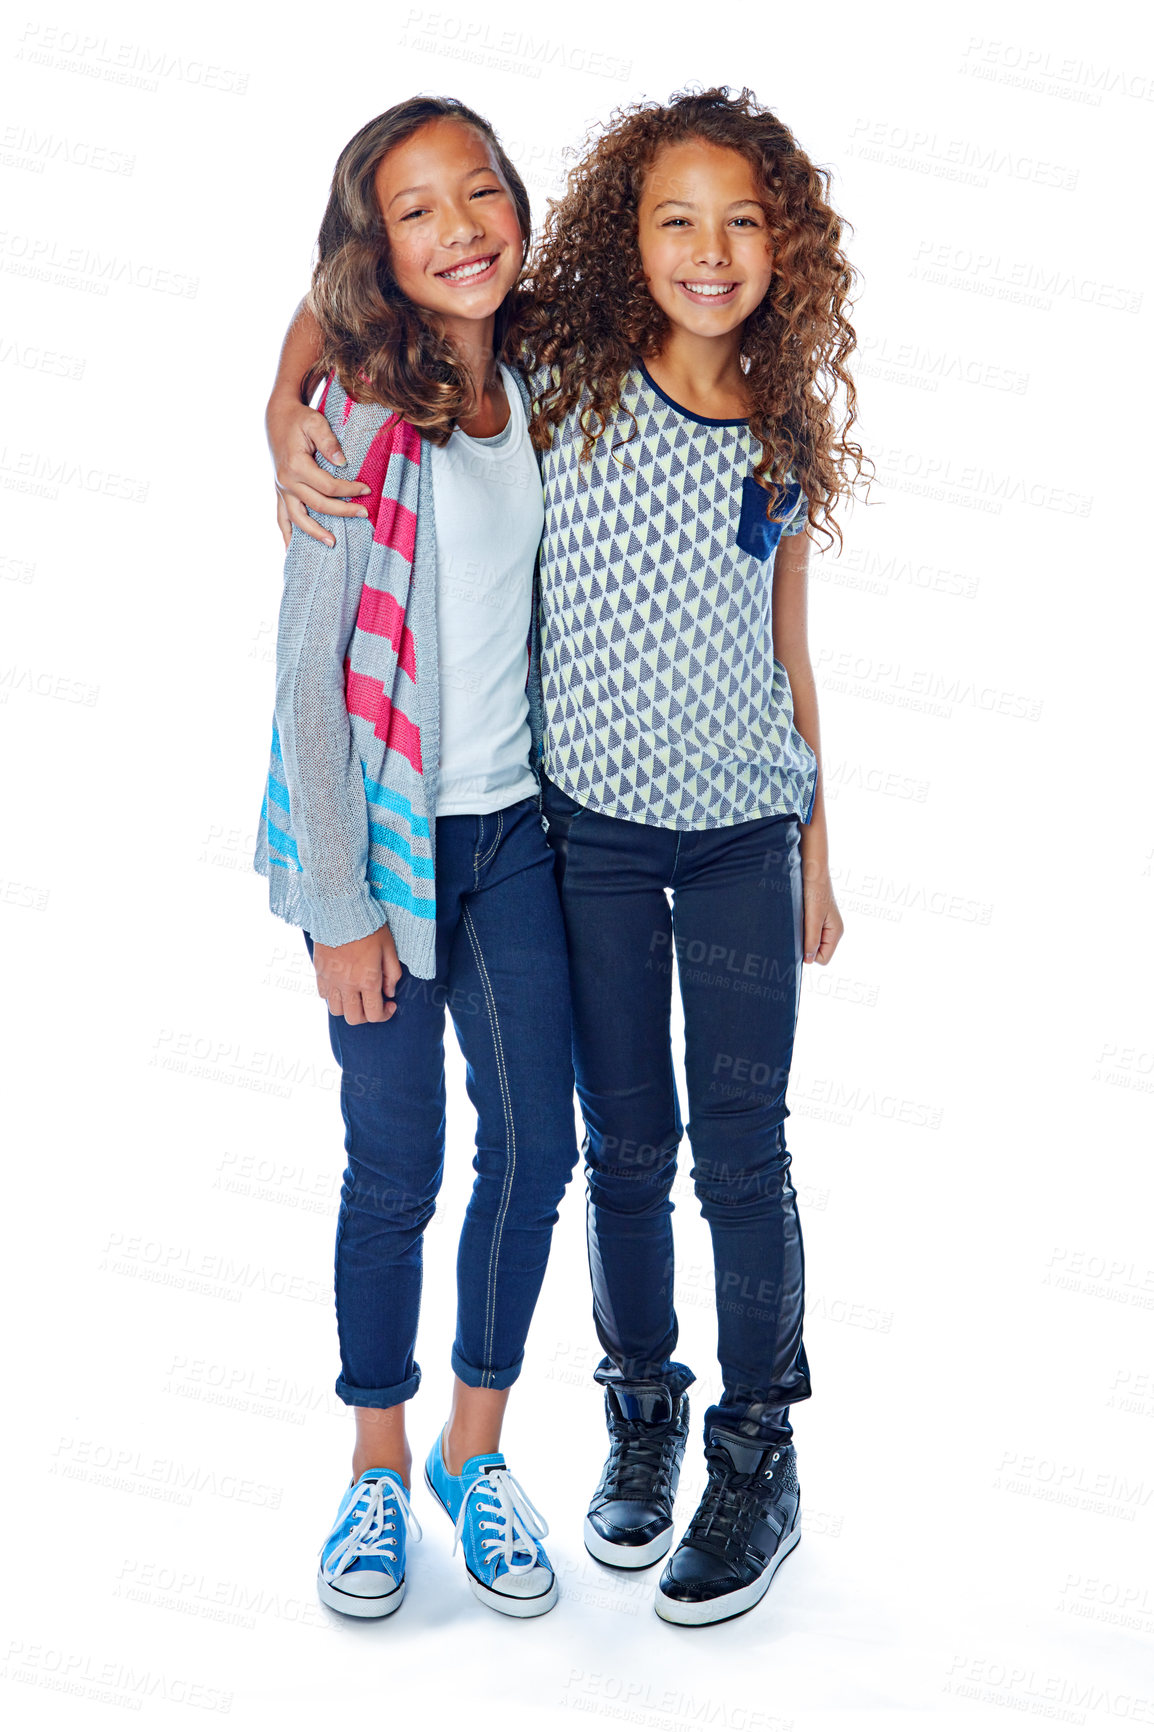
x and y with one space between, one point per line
463 223
712 246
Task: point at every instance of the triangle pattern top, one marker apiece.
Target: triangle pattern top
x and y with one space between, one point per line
664 703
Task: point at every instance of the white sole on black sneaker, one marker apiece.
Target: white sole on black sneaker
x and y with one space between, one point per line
626 1557
360 1605
726 1605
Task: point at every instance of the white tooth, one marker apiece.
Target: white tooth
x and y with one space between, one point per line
464 271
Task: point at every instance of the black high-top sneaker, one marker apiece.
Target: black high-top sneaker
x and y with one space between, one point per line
630 1520
746 1523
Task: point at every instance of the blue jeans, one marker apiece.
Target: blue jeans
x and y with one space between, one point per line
735 932
502 975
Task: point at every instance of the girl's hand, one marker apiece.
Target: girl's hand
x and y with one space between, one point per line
359 978
823 924
295 433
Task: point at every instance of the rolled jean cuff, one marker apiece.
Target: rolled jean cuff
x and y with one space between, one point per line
475 1379
380 1397
755 1420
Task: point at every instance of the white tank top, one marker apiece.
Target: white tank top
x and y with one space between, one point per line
489 514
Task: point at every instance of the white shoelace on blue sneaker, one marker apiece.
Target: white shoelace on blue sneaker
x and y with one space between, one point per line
518 1527
375 1533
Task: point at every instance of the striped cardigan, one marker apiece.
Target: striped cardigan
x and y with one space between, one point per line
347 833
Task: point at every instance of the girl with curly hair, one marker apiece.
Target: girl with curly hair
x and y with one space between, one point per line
402 827
685 325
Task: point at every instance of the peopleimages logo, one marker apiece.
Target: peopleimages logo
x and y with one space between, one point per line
1022 282
971 484
28 148
33 358
925 366
42 474
113 1683
46 259
1026 66
134 64
925 689
1047 1695
971 161
509 50
646 1703
161 1478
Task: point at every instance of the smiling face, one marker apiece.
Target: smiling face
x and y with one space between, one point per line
455 243
704 240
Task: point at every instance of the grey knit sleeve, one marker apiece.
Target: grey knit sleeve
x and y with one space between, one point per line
322 590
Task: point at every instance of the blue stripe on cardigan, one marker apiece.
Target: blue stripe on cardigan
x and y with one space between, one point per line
399 845
283 844
394 802
385 886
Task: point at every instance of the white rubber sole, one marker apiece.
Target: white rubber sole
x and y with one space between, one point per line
357 1605
626 1557
512 1607
726 1605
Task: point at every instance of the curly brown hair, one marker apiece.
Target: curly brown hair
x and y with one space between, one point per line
587 312
383 348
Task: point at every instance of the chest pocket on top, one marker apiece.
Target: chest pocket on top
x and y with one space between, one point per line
756 535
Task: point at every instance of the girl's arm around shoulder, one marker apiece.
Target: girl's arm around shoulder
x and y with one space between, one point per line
298 436
823 921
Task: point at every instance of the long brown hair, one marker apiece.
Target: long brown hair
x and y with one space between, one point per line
381 347
587 312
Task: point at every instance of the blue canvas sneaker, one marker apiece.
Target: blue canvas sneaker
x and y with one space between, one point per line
500 1532
362 1568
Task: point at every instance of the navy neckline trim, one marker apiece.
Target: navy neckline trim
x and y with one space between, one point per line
702 420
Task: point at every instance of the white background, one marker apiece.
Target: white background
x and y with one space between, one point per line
973 1074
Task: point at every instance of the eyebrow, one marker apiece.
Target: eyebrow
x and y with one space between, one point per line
690 206
412 191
